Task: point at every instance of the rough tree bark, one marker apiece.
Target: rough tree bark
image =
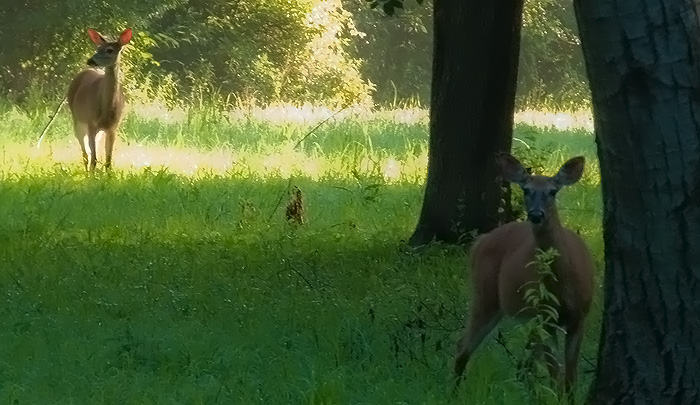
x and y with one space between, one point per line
643 61
475 63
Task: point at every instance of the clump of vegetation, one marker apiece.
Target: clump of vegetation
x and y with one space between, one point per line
542 330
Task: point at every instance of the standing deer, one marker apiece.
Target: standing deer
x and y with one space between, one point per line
96 98
502 267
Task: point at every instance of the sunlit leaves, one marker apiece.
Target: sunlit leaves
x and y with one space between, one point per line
272 50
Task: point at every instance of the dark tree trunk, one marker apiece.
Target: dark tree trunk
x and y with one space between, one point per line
475 63
643 64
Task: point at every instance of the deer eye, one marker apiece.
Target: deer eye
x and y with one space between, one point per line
109 50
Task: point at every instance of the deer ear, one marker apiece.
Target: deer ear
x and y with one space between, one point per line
511 168
96 37
125 37
571 171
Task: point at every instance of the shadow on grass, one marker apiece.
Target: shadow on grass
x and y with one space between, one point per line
157 287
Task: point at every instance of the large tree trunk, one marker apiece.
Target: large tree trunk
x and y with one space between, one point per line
643 64
475 62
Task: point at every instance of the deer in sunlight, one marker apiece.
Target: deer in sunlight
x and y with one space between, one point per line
96 98
503 265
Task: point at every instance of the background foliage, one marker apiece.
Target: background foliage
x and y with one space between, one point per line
323 51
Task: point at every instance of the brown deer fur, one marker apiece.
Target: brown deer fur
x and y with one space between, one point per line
96 98
500 270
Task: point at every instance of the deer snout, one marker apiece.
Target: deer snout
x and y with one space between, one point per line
91 62
535 216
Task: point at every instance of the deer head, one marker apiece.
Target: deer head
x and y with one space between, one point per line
107 53
540 192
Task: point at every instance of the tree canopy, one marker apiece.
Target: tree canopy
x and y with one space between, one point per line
331 51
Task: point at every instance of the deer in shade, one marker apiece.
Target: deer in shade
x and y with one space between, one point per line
503 266
96 99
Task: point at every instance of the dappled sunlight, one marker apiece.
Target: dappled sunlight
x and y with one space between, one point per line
391 169
558 120
390 145
181 160
307 114
185 161
279 161
156 110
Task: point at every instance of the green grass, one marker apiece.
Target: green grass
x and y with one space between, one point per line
183 284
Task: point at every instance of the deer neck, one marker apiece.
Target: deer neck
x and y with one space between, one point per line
110 86
549 232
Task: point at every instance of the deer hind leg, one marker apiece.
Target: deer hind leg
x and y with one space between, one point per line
574 337
81 130
110 137
483 320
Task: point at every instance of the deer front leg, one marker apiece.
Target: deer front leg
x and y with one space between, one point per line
92 134
110 137
81 131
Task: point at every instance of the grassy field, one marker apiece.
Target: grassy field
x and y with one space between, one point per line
176 280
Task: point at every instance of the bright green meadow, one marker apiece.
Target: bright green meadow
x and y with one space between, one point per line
177 279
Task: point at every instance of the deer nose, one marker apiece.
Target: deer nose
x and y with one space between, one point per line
535 216
91 62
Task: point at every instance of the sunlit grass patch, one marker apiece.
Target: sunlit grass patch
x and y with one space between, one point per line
574 120
281 160
177 279
306 114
